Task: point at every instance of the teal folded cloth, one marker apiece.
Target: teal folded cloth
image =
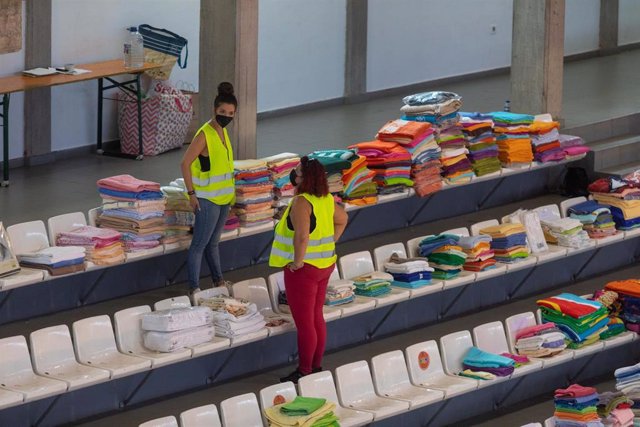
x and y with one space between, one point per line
479 358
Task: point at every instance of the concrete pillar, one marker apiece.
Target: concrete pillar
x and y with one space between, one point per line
537 55
37 103
355 78
229 52
608 25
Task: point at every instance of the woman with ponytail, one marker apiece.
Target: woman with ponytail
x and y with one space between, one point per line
207 168
304 245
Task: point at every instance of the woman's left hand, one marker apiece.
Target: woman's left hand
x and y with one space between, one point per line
293 266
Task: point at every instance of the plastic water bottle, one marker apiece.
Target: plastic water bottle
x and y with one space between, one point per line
134 49
507 106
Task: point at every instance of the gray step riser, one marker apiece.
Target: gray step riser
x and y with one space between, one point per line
616 156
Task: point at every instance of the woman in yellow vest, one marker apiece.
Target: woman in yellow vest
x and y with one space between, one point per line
304 244
207 168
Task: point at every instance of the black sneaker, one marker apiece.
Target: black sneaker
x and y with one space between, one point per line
316 370
293 377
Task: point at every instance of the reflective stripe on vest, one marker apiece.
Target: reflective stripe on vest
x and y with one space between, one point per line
312 242
211 180
215 193
308 255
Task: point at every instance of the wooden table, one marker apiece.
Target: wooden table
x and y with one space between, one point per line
100 70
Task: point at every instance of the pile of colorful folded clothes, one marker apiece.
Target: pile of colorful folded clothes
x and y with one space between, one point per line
254 193
302 411
573 146
565 232
409 273
280 167
478 251
483 365
56 260
611 301
373 284
615 409
102 245
178 214
581 320
135 208
418 138
438 108
629 299
232 222
444 254
390 162
576 406
545 140
530 219
357 185
233 318
540 340
456 167
596 219
513 138
481 143
508 242
334 162
622 196
339 292
628 383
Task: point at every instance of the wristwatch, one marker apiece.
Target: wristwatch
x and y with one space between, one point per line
191 193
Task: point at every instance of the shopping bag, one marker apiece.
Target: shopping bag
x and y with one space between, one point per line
165 120
163 47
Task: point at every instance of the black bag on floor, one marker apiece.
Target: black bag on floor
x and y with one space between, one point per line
575 182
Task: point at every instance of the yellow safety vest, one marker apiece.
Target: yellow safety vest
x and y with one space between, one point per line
217 184
321 248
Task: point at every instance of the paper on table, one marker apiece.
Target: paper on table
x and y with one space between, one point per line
38 72
74 72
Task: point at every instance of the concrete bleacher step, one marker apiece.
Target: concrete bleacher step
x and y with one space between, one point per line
616 151
458 411
623 169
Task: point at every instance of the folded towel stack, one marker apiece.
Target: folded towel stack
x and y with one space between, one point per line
102 245
409 273
445 255
581 320
254 193
135 208
170 330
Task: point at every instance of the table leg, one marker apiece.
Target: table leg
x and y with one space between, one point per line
99 149
139 101
5 140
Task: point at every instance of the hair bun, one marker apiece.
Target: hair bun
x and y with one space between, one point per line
225 88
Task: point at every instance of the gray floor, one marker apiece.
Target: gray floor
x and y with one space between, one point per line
595 89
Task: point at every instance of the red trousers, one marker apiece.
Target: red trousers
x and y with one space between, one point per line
306 289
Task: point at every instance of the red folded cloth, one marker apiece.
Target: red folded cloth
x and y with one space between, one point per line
575 390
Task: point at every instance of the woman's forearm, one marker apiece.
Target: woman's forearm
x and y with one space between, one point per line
186 174
338 229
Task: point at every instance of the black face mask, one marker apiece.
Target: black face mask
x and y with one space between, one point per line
223 120
292 177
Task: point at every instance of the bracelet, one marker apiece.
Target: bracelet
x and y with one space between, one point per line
191 193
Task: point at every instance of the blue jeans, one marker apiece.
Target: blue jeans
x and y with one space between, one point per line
207 229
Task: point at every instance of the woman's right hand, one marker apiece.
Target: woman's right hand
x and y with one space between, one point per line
195 204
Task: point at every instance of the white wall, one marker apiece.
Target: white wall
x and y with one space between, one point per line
12 63
88 31
629 22
301 52
411 41
581 26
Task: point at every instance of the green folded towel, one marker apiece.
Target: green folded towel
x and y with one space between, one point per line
329 420
302 406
